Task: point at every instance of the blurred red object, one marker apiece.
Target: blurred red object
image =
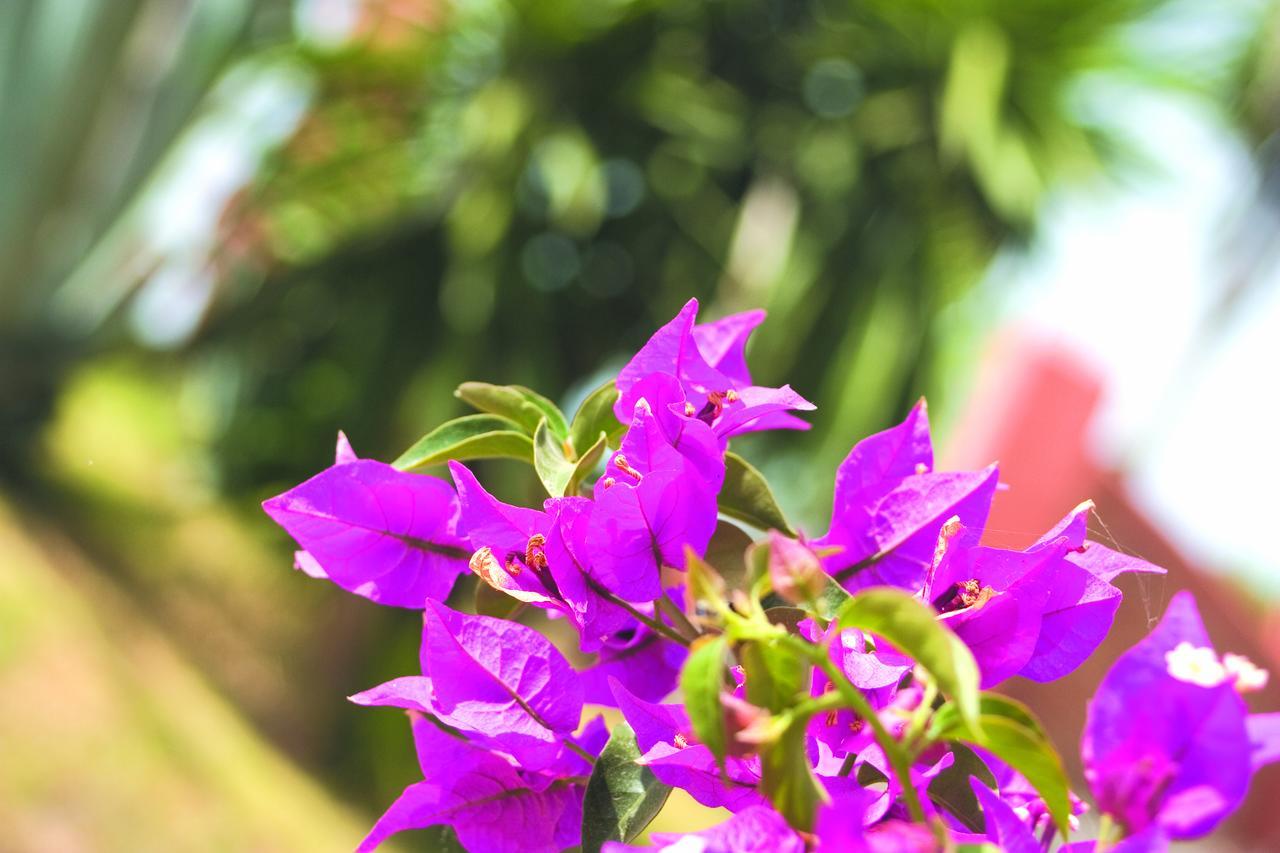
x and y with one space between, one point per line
1032 411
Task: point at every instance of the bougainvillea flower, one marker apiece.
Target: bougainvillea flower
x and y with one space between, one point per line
491 803
854 819
1167 739
376 531
1101 561
509 542
644 662
758 829
1036 613
995 599
1004 828
1021 796
499 682
585 592
1079 612
840 823
890 506
723 343
662 439
711 395
795 572
668 748
875 674
639 526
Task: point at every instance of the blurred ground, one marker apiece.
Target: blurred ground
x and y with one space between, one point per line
112 740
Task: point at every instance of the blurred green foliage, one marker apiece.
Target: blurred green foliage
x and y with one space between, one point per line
516 191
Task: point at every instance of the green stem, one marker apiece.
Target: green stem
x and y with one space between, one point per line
853 697
657 625
682 623
586 756
920 717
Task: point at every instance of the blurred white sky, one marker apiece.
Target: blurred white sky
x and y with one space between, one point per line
1128 278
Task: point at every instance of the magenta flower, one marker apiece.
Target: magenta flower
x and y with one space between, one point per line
375 531
588 594
867 764
1169 745
490 801
1004 828
669 749
660 437
500 683
642 525
890 506
710 364
758 829
877 674
642 661
1036 613
509 542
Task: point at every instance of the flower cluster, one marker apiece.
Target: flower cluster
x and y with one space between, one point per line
833 692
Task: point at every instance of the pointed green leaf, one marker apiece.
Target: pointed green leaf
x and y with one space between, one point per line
554 470
727 552
622 796
595 416
950 789
1028 753
746 496
701 680
515 402
833 597
469 437
561 476
586 465
914 629
994 705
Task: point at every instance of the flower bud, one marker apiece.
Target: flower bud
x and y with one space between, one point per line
794 569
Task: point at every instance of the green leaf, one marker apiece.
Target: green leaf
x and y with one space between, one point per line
622 796
469 437
833 597
585 465
746 496
1028 753
775 677
994 705
701 680
913 628
786 777
727 551
950 788
560 475
554 469
517 403
595 416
